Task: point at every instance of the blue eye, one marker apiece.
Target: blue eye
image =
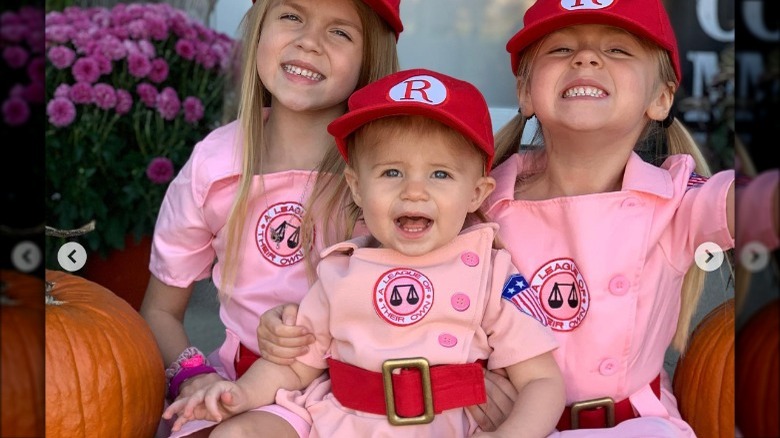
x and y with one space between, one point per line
440 174
291 17
392 173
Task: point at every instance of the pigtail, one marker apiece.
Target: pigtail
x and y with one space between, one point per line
508 138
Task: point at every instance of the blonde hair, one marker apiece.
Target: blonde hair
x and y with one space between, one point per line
380 57
675 139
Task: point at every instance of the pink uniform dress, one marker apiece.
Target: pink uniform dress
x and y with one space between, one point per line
605 273
190 239
373 304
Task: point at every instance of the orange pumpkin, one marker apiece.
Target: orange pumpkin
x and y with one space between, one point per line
704 375
21 339
104 373
758 373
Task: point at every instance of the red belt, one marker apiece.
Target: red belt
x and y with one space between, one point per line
601 412
244 360
417 392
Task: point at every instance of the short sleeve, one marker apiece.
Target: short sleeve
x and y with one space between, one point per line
702 215
513 335
181 248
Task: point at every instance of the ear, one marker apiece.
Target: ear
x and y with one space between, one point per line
484 187
660 106
352 181
523 98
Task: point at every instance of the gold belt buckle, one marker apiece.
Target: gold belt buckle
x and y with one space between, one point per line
387 378
605 402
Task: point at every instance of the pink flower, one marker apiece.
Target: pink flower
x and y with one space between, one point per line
168 103
15 56
147 93
138 65
62 90
193 109
61 56
159 71
105 96
160 170
81 93
61 112
15 111
86 70
124 101
185 49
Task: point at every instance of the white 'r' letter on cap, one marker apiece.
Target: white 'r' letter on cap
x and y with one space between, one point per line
422 89
573 5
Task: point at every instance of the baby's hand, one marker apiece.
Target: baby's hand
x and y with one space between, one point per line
217 402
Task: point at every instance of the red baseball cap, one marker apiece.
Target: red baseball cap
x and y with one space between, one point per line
645 18
419 92
389 10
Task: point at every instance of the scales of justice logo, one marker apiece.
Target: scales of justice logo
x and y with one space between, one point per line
403 296
562 293
278 233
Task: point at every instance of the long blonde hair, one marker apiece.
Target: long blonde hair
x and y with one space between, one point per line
655 140
380 57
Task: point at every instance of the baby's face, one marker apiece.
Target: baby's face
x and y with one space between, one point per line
416 190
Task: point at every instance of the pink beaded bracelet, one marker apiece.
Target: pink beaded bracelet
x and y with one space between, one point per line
184 374
191 362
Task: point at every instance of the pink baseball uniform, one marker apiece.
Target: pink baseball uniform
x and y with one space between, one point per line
605 272
190 239
374 304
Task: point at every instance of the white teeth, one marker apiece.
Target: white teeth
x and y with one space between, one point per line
314 76
583 91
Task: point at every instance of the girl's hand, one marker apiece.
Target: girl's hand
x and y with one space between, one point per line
501 395
216 402
195 383
279 339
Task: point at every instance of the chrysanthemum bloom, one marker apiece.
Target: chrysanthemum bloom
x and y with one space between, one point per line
61 112
86 70
159 71
160 170
15 111
193 109
138 65
168 103
81 93
61 56
124 101
147 93
105 96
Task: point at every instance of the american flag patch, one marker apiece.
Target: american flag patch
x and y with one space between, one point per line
517 292
696 180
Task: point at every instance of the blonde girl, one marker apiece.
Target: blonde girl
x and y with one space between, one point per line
234 212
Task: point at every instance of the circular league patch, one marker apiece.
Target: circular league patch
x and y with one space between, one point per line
278 233
403 296
562 293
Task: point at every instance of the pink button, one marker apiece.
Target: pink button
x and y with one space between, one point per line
608 367
631 202
470 258
447 340
460 301
619 285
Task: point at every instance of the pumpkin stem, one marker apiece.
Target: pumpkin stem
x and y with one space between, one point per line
56 232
